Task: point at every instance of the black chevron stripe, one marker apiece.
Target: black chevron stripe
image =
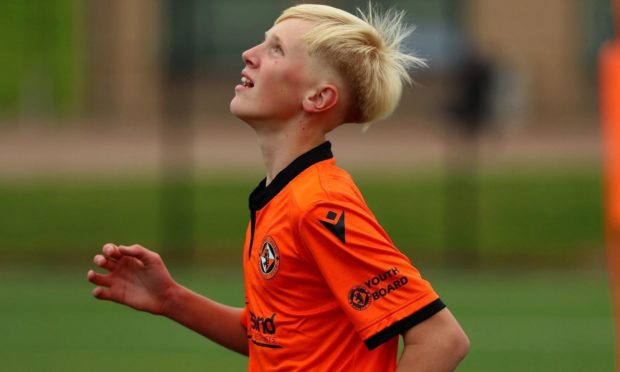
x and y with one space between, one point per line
337 228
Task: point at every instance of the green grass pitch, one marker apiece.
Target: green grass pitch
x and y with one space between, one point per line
549 310
517 320
542 214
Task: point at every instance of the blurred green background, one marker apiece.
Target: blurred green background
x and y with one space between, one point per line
114 128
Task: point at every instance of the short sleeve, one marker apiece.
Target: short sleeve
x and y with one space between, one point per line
378 288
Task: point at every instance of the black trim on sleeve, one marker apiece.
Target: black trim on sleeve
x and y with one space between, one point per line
404 324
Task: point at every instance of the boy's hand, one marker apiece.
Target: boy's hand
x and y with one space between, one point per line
137 278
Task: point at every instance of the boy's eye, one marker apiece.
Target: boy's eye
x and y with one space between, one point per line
276 48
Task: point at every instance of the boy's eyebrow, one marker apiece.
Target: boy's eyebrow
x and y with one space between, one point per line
274 37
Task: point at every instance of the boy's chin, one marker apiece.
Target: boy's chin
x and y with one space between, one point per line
236 110
240 114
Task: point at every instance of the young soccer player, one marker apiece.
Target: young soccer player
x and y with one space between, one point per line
325 287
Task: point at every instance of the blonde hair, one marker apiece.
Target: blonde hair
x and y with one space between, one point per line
366 51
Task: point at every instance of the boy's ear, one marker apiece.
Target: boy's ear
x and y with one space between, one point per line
321 100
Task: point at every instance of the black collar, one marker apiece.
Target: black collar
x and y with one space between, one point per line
263 194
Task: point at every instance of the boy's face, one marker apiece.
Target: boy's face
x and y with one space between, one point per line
277 74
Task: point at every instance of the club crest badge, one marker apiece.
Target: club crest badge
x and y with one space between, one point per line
269 258
359 298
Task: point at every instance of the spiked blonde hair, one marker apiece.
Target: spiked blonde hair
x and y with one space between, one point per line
365 50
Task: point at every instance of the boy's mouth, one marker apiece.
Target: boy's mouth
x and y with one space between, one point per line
247 82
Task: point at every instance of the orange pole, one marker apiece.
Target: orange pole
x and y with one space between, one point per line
610 115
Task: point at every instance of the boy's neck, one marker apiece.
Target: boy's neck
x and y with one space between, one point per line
279 148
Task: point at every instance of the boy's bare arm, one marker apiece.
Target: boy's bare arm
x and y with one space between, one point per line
138 278
437 344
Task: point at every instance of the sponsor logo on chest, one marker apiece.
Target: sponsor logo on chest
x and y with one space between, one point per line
263 330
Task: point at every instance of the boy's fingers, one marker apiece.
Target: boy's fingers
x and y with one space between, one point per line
110 250
104 262
139 252
101 294
98 279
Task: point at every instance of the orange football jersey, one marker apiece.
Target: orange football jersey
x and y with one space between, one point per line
325 287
